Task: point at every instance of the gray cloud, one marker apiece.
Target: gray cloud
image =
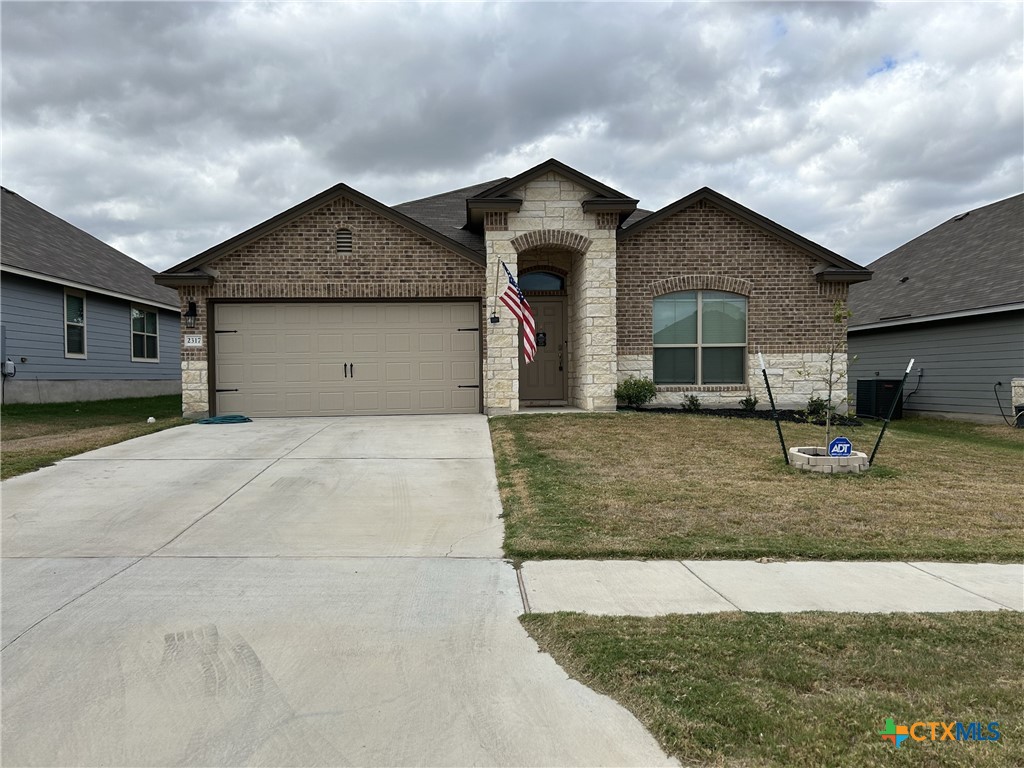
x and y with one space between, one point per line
164 128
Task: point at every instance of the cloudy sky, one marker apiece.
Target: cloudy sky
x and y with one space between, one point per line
165 128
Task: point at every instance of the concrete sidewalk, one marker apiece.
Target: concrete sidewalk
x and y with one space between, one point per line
656 587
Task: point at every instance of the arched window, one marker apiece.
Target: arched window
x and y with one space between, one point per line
700 337
541 281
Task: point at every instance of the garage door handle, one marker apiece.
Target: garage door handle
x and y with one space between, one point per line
469 386
346 370
225 331
469 329
352 369
227 390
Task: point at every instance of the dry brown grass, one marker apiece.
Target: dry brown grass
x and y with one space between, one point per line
667 485
34 436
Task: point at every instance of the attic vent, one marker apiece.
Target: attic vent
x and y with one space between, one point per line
962 216
343 241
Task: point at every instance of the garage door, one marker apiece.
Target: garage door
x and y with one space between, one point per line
337 359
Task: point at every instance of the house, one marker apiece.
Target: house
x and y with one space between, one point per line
344 305
952 299
79 320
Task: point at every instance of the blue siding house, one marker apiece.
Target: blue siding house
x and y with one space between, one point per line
952 299
79 320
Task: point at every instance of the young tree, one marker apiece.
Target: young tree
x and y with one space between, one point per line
833 376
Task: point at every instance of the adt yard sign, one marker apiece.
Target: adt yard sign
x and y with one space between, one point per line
840 447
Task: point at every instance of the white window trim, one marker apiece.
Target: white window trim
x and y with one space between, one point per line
132 332
84 354
699 346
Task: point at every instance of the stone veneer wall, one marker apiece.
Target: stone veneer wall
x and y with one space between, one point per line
788 311
299 261
795 378
552 216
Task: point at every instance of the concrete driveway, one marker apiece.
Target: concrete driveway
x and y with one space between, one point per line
285 592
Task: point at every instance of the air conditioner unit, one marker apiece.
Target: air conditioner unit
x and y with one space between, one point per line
875 396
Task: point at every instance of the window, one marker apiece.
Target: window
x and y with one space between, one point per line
74 323
700 337
145 346
541 281
343 241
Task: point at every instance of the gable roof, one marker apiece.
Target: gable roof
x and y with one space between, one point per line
838 269
191 268
969 264
555 166
38 244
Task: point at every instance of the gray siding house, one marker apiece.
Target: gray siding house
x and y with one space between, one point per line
952 299
79 320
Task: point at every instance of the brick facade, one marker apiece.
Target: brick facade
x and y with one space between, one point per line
611 280
300 261
788 311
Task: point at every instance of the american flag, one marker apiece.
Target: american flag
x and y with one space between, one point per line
515 301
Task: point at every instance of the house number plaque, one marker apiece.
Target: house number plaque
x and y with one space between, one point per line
194 341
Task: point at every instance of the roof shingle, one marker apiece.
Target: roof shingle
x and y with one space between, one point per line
973 261
36 241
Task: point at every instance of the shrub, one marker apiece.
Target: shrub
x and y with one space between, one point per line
816 408
749 403
635 392
691 403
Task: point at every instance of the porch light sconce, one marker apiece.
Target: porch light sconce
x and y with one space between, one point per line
190 315
494 317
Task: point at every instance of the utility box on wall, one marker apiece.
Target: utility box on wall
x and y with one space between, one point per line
875 396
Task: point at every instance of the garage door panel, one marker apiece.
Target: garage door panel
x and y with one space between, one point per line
329 343
328 373
366 401
263 373
432 371
298 343
465 341
398 342
465 371
430 342
432 400
365 314
332 403
397 372
465 315
259 344
465 400
431 314
365 343
337 358
261 315
298 403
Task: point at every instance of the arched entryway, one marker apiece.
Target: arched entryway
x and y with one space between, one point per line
545 381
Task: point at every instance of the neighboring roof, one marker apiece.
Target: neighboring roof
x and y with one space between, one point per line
35 243
190 269
839 269
446 213
970 264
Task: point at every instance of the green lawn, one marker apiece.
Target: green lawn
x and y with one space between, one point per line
34 436
808 689
653 485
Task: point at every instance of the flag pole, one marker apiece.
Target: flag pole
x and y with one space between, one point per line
497 276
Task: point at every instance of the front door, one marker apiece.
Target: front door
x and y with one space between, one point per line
544 380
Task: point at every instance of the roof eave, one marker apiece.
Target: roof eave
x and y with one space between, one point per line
910 319
848 276
179 279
